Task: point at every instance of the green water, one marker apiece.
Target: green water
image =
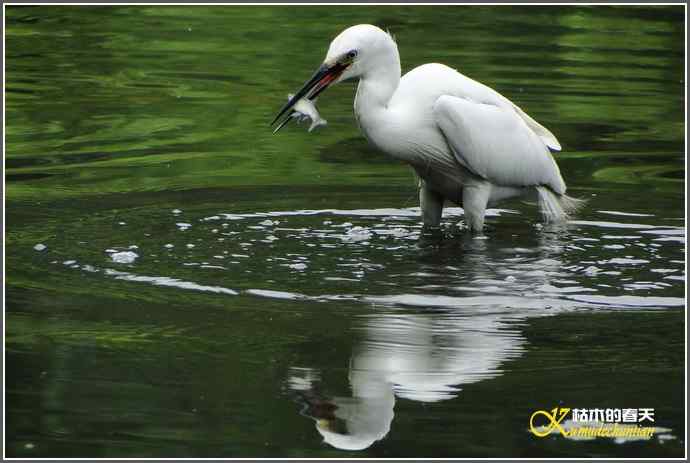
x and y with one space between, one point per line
281 281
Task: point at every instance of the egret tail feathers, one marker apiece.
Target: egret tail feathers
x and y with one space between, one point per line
555 207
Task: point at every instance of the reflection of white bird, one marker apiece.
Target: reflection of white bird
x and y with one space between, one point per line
425 358
467 143
430 354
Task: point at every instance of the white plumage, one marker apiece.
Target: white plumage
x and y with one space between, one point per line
467 143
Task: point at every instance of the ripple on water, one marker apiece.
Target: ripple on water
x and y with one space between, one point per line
356 254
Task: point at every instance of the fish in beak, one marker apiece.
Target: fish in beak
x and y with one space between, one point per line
304 109
322 78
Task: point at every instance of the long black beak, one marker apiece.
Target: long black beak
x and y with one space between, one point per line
321 79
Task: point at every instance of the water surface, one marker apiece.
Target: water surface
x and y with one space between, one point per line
182 283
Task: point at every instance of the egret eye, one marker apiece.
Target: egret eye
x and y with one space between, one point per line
352 54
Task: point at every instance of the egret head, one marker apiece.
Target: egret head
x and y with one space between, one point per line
364 46
353 53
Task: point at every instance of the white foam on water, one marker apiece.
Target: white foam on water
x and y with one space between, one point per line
382 212
629 301
675 231
490 303
124 257
299 266
166 281
276 294
626 214
613 246
602 224
356 234
623 261
677 239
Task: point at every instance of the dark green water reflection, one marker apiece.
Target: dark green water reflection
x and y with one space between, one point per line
278 283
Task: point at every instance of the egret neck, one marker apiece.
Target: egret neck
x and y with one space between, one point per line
376 87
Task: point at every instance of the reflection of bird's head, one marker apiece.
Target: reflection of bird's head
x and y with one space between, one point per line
347 423
334 434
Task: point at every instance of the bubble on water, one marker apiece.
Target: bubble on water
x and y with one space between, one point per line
133 246
40 247
269 222
122 223
176 211
110 251
190 245
399 232
356 234
124 257
298 266
183 226
69 262
591 271
169 246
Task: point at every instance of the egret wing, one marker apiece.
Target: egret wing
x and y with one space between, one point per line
496 143
545 134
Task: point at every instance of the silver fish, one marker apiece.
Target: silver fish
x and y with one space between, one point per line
304 109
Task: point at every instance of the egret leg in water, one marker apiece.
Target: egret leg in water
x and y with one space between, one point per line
467 143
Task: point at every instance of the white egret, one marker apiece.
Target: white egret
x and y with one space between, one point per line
467 143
